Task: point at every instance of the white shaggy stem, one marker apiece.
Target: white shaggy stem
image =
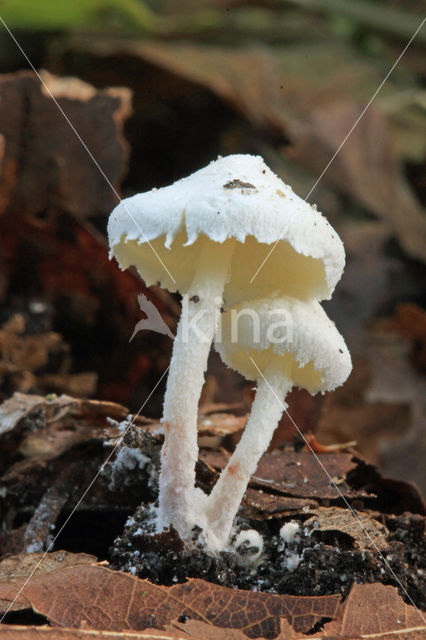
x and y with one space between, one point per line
199 318
225 498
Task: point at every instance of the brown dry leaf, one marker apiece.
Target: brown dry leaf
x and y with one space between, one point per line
15 632
366 532
257 503
98 598
221 424
13 410
16 567
260 505
191 631
62 422
377 611
67 421
370 611
306 476
55 167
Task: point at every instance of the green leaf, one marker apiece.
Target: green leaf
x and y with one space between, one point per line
49 15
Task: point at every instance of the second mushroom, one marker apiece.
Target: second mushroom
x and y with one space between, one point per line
280 342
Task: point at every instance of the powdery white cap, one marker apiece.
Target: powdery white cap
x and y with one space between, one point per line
290 335
235 198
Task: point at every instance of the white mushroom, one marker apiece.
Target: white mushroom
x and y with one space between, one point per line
280 342
206 236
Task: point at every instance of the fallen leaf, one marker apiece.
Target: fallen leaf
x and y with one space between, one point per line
377 610
259 505
13 410
99 598
14 632
16 567
60 422
306 476
365 531
221 424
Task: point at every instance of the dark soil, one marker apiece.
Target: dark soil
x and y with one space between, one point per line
325 562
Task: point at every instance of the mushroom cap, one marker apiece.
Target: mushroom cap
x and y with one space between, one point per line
295 337
233 199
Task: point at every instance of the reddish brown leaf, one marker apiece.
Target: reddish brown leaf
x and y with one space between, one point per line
47 633
14 568
260 505
103 599
306 476
49 187
191 631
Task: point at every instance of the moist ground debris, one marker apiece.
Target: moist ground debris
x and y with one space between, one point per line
314 563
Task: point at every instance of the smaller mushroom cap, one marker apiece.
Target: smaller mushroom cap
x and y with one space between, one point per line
286 334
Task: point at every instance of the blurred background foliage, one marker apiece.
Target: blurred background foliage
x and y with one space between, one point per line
286 79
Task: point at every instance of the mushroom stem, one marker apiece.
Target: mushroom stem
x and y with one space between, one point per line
226 496
195 332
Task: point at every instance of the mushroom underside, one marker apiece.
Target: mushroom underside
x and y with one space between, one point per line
285 270
248 363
